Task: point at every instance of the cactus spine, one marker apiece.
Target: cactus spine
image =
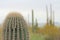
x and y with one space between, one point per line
15 27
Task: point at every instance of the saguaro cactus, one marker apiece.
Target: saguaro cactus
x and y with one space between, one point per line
36 26
15 27
32 21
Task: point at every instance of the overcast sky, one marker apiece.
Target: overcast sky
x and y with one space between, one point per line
25 7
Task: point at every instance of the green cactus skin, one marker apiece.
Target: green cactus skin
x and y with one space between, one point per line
15 27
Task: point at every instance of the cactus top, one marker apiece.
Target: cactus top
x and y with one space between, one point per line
14 14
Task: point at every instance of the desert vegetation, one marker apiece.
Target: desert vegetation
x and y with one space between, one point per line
16 25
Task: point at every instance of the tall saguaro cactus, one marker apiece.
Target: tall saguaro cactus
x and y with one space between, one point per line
32 21
47 14
51 14
36 25
15 27
53 18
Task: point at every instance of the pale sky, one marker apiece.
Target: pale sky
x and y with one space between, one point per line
25 7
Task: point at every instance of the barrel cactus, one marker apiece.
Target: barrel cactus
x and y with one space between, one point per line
15 27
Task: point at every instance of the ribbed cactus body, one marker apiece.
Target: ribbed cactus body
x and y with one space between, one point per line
15 27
